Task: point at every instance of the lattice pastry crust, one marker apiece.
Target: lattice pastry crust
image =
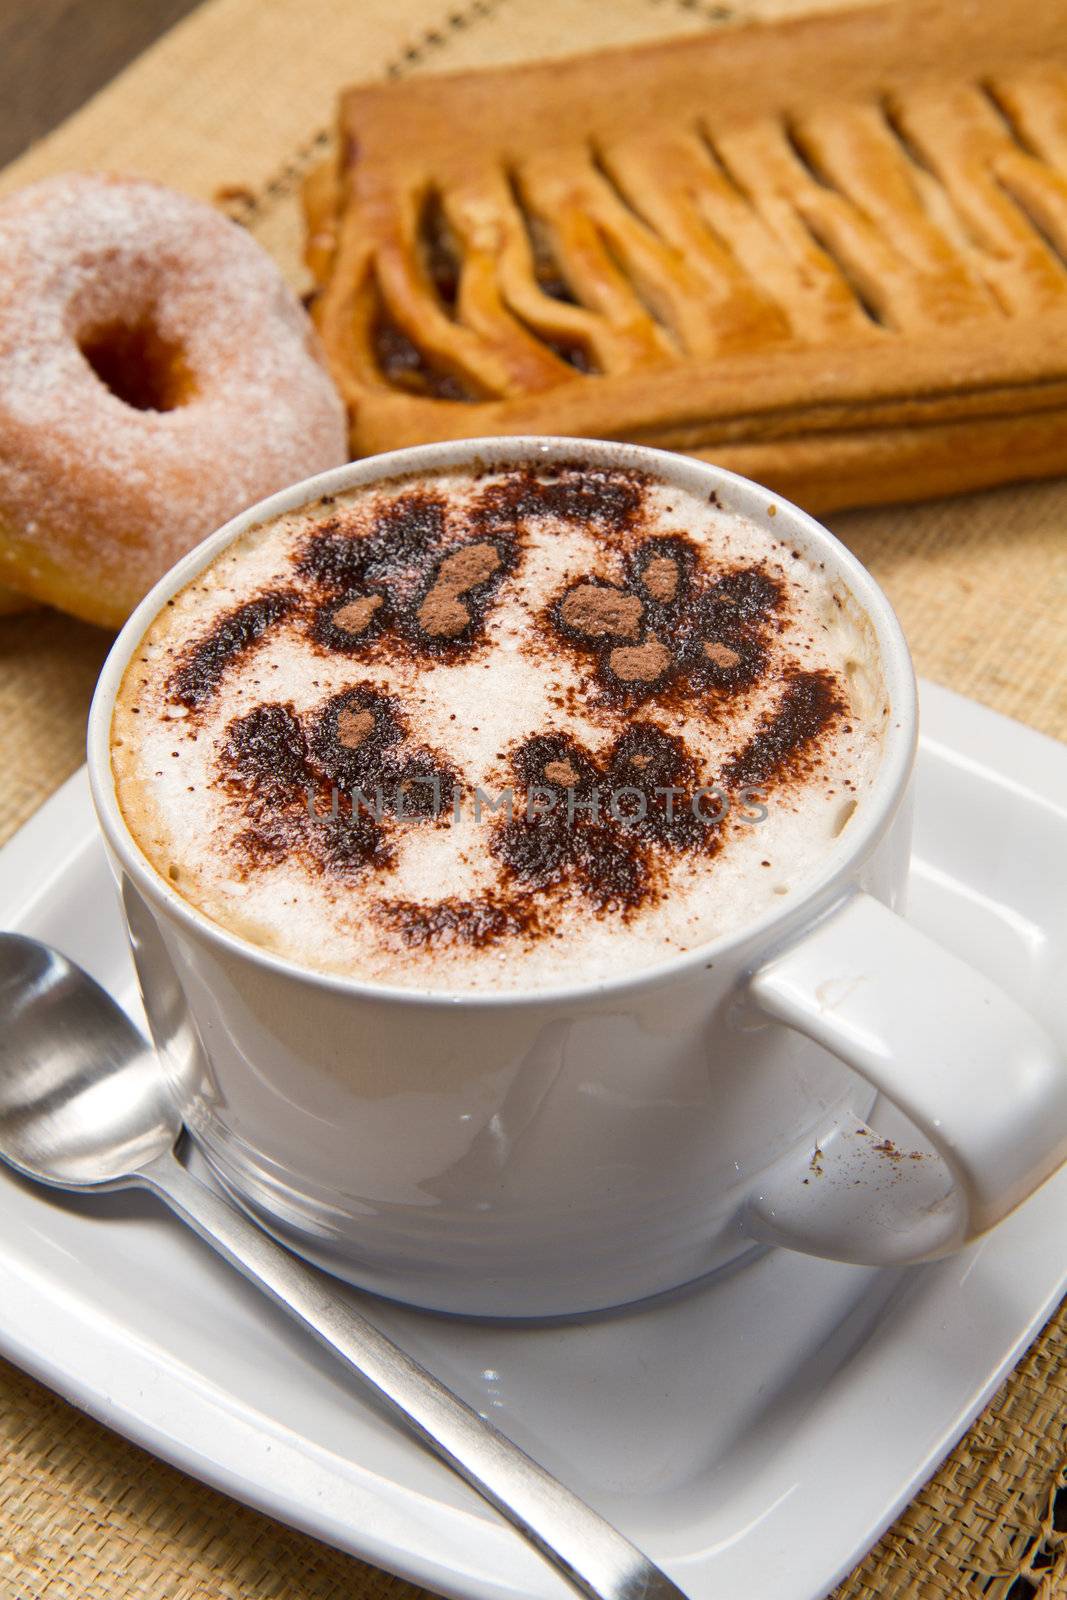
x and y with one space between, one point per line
830 253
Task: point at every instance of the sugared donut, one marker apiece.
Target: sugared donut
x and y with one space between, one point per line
11 602
156 376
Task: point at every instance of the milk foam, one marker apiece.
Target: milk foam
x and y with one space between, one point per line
473 708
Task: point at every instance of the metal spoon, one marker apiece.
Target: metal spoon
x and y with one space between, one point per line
84 1105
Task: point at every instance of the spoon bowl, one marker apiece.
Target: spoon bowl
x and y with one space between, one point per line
83 1103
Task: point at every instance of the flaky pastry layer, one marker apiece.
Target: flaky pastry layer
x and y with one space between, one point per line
829 252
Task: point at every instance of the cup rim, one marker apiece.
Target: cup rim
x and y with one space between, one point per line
689 473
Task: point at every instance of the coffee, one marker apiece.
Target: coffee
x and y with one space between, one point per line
499 729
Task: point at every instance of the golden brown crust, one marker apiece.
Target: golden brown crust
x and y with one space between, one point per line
893 465
156 376
11 602
782 239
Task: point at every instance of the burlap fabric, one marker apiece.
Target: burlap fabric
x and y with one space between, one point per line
239 97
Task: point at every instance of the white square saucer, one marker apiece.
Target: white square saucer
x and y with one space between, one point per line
773 1419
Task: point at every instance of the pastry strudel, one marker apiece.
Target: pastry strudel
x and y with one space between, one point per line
828 252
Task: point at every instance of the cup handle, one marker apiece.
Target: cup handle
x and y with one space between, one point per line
978 1077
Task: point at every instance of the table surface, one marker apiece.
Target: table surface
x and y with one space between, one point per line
240 95
55 53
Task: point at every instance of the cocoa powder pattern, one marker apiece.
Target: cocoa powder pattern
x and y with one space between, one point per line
285 774
665 630
418 579
606 828
423 577
405 583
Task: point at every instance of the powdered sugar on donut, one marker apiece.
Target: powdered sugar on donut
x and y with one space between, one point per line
97 496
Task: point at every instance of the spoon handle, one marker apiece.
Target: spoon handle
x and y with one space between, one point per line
586 1549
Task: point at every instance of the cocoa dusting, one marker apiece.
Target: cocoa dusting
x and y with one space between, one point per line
429 594
662 567
597 610
471 564
349 625
406 582
266 750
443 613
328 788
810 702
688 635
382 767
347 845
642 663
655 763
472 923
355 615
341 555
750 590
354 726
264 762
721 654
894 1154
601 497
660 578
607 834
201 670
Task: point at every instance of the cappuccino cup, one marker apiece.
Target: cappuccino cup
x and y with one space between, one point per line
513 837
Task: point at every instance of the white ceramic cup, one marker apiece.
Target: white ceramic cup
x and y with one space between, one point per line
569 1149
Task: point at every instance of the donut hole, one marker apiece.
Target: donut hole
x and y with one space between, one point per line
140 367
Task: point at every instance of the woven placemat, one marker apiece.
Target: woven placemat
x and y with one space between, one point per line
239 97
